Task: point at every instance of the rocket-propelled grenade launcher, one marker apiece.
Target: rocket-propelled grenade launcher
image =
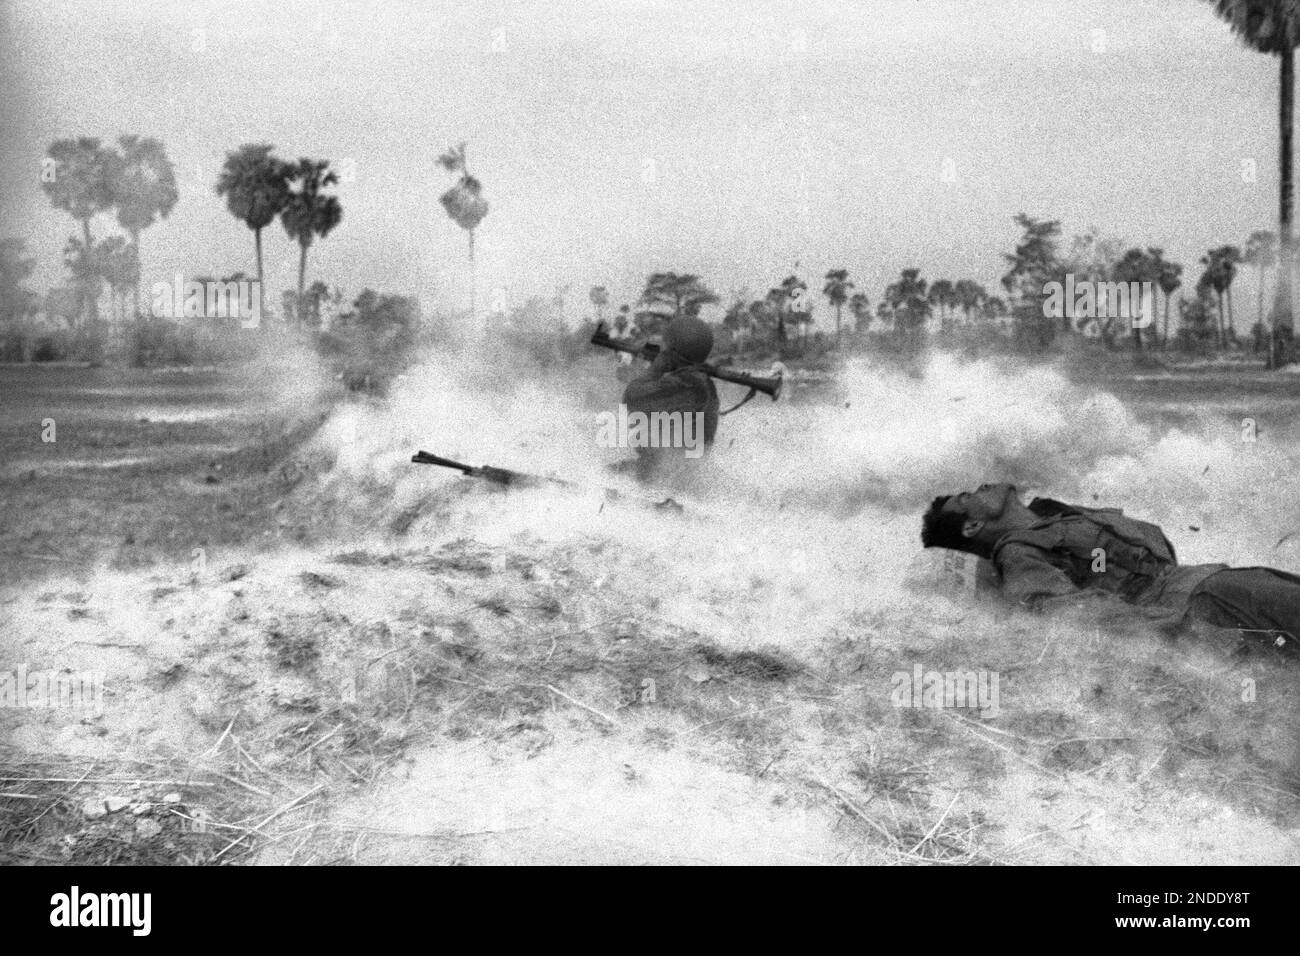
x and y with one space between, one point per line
768 385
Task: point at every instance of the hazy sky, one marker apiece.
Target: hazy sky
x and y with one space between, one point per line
617 138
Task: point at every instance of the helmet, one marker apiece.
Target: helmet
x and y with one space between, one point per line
689 338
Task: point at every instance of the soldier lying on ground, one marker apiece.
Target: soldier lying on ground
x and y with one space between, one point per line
1049 554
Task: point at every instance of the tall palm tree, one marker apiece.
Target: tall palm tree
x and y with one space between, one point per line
1168 277
836 291
1261 252
256 187
465 204
144 190
1273 27
1221 266
82 187
309 212
1135 266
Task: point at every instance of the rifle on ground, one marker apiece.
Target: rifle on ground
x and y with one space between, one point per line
768 385
522 479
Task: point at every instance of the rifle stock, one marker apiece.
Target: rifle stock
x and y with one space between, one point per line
768 385
504 476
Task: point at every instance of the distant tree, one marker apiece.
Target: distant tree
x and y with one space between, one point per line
994 308
1136 266
465 205
87 279
16 267
1167 277
1035 261
309 211
17 302
1261 252
256 187
837 290
599 299
787 303
885 313
81 185
1197 330
119 263
970 295
144 190
942 295
1273 27
860 309
1220 270
682 294
908 302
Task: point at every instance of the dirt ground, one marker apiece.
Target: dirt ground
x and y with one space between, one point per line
313 652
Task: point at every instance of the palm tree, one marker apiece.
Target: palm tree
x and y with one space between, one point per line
119 263
1221 268
970 295
1168 278
836 291
82 186
256 187
942 293
465 204
860 308
309 212
144 190
1261 252
1135 266
1273 27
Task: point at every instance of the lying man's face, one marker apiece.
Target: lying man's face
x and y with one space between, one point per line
971 520
985 504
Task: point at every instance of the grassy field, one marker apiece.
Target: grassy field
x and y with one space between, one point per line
371 662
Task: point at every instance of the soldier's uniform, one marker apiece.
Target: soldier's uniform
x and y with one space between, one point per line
675 382
1073 553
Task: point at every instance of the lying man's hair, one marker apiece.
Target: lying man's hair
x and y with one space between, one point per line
942 529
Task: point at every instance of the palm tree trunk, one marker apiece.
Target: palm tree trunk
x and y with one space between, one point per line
1166 332
302 281
257 244
1282 318
471 280
92 299
135 292
1259 297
